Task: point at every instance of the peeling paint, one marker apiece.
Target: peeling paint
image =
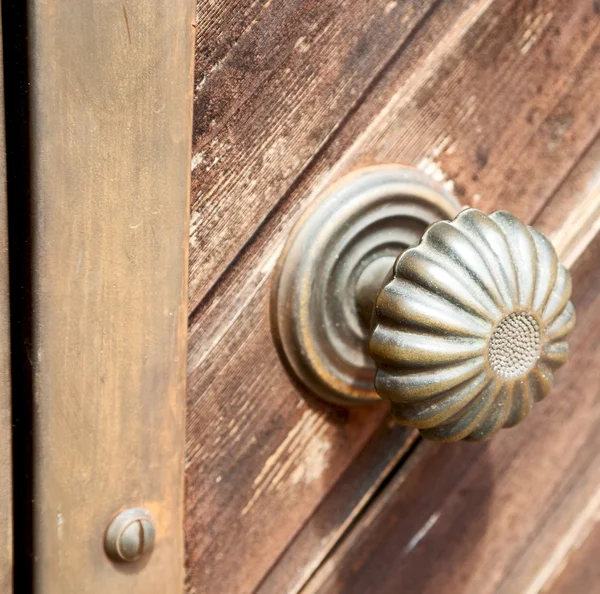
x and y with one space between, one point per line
314 462
197 159
301 457
432 168
302 45
389 7
535 27
422 532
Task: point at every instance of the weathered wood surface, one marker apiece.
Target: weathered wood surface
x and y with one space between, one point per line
581 573
387 449
498 98
493 517
572 217
111 110
571 487
292 72
578 195
269 105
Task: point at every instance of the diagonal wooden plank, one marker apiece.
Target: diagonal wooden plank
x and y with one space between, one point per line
240 398
267 105
440 107
325 529
389 446
582 572
572 216
497 517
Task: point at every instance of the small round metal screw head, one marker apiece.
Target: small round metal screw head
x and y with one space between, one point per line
130 535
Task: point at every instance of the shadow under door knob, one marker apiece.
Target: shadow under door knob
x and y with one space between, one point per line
459 324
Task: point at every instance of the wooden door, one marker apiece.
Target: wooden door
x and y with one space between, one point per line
498 100
495 99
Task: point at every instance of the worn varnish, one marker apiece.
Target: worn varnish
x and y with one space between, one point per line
387 449
270 103
496 98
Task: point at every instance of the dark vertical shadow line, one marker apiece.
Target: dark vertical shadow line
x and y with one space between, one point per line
16 105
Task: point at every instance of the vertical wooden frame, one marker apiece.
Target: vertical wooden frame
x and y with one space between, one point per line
6 538
110 115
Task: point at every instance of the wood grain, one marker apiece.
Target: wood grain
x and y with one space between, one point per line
6 496
270 103
582 572
389 446
261 454
498 517
575 195
572 216
519 86
111 107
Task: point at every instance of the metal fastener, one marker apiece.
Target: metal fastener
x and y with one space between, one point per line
130 535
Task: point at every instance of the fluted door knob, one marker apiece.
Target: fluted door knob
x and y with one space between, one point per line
459 324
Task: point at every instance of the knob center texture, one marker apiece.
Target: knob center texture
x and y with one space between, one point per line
515 345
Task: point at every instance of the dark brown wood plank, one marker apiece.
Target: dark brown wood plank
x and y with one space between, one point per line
111 109
565 525
267 105
6 495
525 53
251 431
384 130
460 518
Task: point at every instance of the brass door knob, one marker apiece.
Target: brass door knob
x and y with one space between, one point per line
458 324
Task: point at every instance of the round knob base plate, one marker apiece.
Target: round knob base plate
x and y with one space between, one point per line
369 216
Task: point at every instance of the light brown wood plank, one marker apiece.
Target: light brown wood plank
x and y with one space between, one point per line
572 216
461 518
6 495
111 108
387 448
261 454
582 571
